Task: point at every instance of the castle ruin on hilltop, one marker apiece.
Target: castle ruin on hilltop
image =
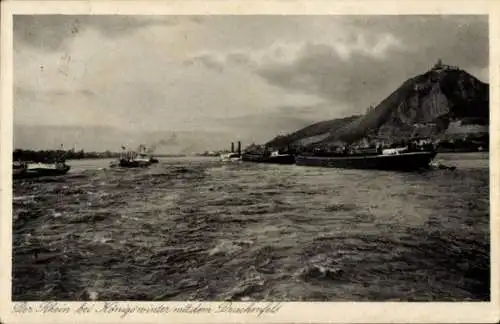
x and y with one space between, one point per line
435 75
439 66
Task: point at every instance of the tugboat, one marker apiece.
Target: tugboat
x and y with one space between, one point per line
133 159
397 159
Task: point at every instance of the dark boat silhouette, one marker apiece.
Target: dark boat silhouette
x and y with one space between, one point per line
133 159
265 154
401 159
268 157
23 170
133 163
232 156
47 167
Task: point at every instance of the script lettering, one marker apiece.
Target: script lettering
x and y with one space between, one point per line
256 308
22 308
125 309
52 307
84 308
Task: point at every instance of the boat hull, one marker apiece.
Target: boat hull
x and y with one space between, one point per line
231 160
134 163
37 173
280 159
231 157
398 162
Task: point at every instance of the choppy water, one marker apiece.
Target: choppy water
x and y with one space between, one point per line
196 229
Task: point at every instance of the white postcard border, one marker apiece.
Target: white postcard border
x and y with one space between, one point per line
317 312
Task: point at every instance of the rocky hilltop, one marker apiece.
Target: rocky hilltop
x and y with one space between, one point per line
445 103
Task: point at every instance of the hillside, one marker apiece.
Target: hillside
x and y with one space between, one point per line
444 102
312 133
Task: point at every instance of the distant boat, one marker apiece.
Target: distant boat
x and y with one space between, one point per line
230 157
391 159
125 163
273 157
144 157
132 159
22 170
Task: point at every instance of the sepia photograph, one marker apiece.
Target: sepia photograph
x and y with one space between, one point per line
250 158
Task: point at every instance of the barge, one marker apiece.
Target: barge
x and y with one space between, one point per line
395 159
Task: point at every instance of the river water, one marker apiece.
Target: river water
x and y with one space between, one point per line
198 229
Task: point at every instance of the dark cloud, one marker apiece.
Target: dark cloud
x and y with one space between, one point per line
240 59
322 71
87 93
213 62
280 121
50 32
364 79
459 38
208 60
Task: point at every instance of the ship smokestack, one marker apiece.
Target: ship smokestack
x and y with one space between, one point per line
232 147
239 148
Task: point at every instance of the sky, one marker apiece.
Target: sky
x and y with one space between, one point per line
192 83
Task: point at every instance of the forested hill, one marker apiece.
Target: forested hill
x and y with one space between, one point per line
444 102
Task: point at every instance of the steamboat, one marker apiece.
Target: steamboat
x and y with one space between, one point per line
232 156
134 159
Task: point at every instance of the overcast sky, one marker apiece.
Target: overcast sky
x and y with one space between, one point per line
235 77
